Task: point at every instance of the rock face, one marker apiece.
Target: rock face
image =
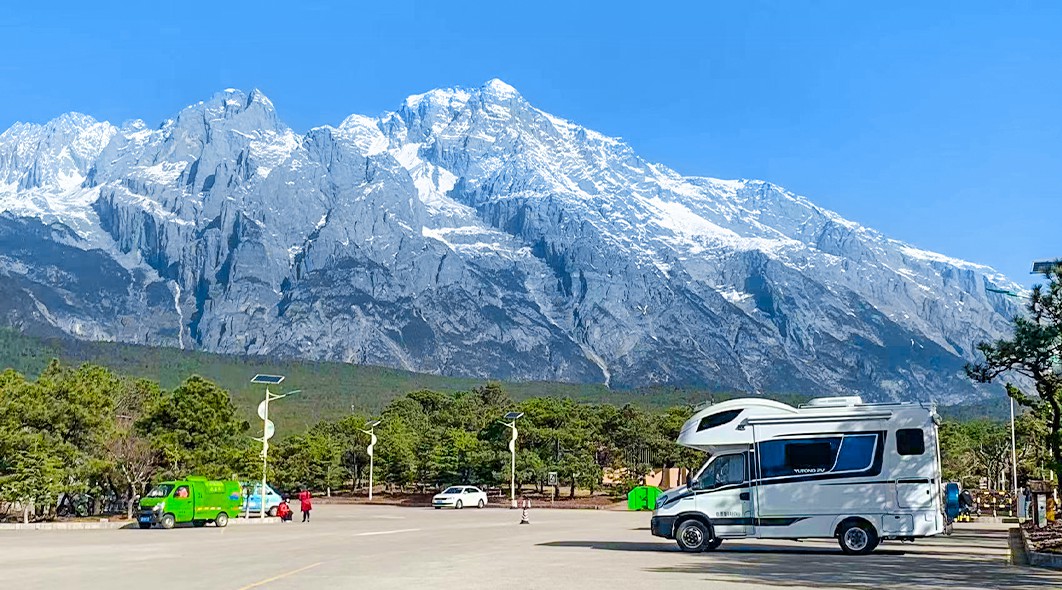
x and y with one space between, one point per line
468 233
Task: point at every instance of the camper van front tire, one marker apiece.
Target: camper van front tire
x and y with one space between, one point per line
857 537
693 536
167 521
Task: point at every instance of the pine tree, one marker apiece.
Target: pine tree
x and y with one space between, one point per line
1034 352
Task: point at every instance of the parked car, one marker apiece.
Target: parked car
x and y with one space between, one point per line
194 499
459 497
252 504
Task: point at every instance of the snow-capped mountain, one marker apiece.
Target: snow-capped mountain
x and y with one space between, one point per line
468 233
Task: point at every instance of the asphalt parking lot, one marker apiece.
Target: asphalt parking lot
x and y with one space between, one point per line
388 547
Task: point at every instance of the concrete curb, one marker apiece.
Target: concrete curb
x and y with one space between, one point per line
996 519
66 526
1039 559
111 525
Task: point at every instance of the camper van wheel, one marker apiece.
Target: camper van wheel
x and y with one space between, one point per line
198 523
221 520
692 536
857 537
167 521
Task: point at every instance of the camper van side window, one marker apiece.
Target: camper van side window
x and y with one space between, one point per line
783 458
857 452
910 441
717 419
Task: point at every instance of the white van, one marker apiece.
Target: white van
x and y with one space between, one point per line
833 468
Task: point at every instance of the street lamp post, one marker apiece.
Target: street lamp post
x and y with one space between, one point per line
1013 439
371 425
1013 459
512 418
267 427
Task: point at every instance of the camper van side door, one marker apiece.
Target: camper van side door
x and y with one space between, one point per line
722 492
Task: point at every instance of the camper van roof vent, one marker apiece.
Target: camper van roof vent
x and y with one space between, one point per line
835 402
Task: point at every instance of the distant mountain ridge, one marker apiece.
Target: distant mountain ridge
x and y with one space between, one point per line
468 233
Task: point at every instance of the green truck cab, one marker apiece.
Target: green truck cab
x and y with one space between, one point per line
194 499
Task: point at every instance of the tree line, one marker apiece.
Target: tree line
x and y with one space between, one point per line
84 440
428 439
87 441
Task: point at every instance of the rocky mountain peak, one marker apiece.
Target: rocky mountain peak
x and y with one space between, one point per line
55 155
470 233
499 89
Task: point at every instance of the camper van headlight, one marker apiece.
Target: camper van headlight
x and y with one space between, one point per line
159 507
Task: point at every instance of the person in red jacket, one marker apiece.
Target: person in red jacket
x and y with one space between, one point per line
284 511
307 505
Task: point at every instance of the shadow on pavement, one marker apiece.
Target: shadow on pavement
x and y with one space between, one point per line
613 545
671 548
775 566
878 570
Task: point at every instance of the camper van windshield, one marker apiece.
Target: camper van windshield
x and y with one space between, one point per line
160 491
721 471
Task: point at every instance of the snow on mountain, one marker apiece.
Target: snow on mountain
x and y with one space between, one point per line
468 232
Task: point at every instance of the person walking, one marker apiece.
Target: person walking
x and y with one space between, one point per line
307 504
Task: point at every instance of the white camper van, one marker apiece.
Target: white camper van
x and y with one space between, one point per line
833 468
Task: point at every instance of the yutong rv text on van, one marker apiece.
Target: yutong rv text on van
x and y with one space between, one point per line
834 468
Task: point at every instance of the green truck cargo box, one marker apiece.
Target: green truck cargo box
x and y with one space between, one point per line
197 500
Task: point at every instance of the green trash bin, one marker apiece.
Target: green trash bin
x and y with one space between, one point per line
642 498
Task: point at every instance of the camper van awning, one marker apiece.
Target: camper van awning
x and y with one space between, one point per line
805 419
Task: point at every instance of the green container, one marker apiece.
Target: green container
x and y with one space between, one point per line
642 498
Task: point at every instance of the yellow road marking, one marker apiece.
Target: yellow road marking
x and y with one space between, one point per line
279 576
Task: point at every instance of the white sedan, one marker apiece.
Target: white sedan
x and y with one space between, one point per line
459 497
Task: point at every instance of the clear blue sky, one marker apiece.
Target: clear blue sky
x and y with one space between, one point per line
938 123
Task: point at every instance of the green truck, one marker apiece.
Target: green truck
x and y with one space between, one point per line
194 499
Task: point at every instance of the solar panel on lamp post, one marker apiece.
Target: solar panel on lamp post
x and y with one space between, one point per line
512 417
371 425
1041 267
267 427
